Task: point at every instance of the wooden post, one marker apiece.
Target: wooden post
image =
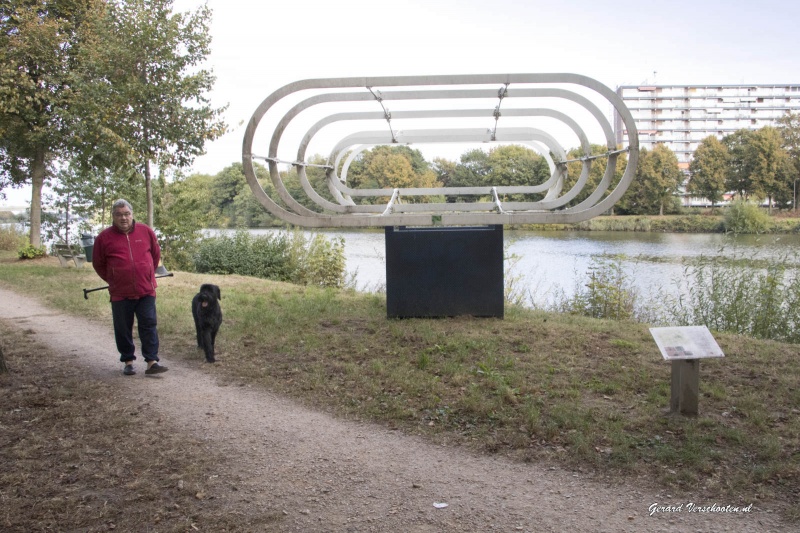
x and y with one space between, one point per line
684 346
685 386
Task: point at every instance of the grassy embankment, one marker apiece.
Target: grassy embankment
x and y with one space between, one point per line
586 394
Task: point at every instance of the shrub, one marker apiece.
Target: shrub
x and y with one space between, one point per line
746 217
608 291
281 256
317 260
261 257
11 239
756 298
29 251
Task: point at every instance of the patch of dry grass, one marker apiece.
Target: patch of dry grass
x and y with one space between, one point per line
78 457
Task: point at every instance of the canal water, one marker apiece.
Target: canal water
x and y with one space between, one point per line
548 263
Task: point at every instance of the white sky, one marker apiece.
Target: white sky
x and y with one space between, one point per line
259 46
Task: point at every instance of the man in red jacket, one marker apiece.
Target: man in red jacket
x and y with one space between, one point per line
126 255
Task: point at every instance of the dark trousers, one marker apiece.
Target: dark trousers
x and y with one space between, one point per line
123 312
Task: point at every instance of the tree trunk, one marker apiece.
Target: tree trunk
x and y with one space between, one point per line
38 170
66 229
148 185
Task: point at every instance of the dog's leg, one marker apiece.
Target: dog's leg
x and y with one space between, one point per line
197 327
208 345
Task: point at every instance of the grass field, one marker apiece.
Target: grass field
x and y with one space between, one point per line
567 390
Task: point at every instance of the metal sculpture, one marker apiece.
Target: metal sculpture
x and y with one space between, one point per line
438 98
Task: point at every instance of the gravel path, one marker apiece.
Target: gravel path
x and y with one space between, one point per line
325 474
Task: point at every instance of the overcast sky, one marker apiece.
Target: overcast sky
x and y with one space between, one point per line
260 46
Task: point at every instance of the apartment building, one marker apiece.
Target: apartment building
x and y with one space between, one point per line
681 116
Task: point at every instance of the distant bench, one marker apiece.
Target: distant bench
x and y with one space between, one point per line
67 253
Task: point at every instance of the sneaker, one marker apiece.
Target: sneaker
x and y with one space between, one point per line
128 370
156 369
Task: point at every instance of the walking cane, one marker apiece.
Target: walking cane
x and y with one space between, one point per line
161 270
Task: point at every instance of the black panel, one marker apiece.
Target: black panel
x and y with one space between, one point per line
437 272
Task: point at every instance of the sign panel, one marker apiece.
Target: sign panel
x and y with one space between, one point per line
449 271
686 342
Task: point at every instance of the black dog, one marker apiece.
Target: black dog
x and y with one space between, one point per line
207 318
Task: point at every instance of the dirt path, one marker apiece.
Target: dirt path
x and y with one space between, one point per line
326 474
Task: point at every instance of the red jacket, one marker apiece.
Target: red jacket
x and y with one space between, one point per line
127 262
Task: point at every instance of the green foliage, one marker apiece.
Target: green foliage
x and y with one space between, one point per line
709 169
688 224
517 165
596 170
29 251
740 162
513 282
149 83
389 167
658 178
88 192
740 295
746 217
282 256
233 204
629 223
243 254
789 128
759 165
317 260
41 51
182 214
773 167
225 187
607 293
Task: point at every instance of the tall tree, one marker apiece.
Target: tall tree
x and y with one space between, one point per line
444 169
740 173
91 190
516 165
759 165
596 171
789 127
225 186
658 179
390 167
157 91
709 170
472 170
41 42
771 165
183 212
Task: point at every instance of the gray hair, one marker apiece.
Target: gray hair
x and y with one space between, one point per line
121 203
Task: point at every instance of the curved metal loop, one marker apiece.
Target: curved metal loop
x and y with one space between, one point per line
556 204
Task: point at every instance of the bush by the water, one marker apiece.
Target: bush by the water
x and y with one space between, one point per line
746 295
758 298
746 217
282 256
607 291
